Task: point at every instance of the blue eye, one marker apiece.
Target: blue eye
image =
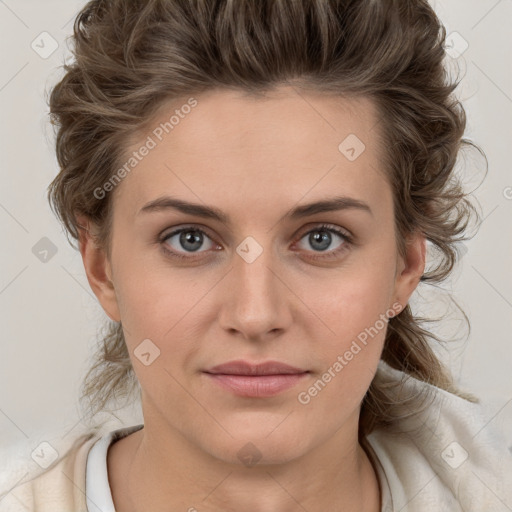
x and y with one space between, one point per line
321 238
191 239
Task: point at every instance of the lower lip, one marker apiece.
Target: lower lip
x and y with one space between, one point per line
257 386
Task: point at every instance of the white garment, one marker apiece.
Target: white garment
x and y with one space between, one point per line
444 457
447 456
97 488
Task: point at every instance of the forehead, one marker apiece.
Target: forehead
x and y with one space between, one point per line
232 147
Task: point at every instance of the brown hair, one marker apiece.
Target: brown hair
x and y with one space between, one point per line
130 57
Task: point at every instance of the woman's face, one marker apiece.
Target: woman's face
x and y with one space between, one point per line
264 283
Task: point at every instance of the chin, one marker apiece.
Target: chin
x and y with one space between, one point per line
256 446
248 454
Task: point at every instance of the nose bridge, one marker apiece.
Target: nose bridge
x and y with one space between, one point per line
254 260
256 300
252 268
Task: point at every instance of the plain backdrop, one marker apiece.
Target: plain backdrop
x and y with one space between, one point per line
49 315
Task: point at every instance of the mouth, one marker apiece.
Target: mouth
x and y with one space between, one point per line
255 380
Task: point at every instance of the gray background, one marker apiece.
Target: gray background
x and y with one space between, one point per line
49 315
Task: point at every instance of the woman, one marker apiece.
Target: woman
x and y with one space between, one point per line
252 186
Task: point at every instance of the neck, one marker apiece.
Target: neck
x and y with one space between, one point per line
151 471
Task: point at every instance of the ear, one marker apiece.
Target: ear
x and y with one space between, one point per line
410 268
98 269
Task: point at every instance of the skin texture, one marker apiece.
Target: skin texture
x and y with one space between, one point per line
255 159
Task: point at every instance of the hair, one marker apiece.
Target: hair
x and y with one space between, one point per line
133 57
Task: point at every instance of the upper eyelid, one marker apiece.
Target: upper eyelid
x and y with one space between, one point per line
186 227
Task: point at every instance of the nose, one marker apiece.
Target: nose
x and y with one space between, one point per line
258 304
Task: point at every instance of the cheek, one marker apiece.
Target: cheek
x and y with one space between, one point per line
348 359
167 306
151 293
355 308
353 299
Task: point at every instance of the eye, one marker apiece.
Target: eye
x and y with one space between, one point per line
187 239
191 239
321 238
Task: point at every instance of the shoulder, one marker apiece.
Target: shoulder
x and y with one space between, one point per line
46 474
445 454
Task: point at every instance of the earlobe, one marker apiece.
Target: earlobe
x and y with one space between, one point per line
98 270
411 268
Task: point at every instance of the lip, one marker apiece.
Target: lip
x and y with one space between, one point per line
240 367
256 380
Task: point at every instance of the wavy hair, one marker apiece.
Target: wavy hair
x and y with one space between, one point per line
131 57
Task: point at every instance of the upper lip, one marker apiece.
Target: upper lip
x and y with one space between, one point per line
246 368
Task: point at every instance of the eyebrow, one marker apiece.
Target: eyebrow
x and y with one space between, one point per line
331 204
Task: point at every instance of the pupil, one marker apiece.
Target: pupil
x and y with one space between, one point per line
191 237
325 237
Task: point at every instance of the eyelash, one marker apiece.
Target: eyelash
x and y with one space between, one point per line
347 239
